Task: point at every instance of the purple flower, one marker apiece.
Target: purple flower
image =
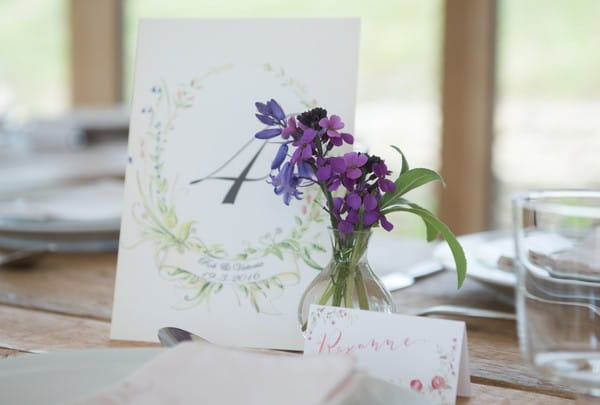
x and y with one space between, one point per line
352 217
270 113
331 125
324 170
326 167
338 202
388 226
265 119
305 172
304 146
280 156
345 227
275 109
331 136
271 109
380 169
291 129
286 183
313 135
338 164
262 108
354 201
370 217
333 142
348 138
387 186
369 202
354 161
268 133
348 183
334 183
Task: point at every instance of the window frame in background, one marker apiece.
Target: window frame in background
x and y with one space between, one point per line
467 102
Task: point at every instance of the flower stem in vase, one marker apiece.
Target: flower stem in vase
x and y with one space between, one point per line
359 195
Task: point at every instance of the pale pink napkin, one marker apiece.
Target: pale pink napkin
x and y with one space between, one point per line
202 373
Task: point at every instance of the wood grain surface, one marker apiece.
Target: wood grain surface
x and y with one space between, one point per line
64 302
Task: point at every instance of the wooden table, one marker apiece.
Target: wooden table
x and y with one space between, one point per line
64 302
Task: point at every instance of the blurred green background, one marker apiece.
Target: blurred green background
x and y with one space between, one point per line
548 80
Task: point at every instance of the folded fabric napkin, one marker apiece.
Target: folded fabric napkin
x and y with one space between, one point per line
560 256
579 260
203 373
500 252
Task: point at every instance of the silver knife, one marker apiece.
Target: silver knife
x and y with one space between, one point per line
402 279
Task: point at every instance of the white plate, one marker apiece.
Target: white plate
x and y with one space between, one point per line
61 377
482 251
72 243
77 207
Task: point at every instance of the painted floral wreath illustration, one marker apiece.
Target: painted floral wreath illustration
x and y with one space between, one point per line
158 221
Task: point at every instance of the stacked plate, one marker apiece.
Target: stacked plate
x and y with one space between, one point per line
71 217
490 258
62 202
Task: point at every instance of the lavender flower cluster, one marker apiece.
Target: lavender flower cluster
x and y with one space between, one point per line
313 136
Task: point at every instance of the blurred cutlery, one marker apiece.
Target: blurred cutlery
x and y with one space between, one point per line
170 336
22 257
402 279
466 311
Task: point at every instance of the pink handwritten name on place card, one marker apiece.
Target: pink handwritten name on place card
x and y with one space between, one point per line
429 356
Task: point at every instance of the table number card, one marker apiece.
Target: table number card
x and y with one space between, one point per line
429 356
205 244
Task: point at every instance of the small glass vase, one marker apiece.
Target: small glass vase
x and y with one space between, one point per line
348 280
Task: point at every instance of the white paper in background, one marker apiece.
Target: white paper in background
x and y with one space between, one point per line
231 272
428 356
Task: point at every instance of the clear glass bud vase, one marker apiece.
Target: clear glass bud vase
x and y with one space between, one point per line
348 280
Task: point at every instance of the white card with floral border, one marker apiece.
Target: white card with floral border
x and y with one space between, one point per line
429 356
205 243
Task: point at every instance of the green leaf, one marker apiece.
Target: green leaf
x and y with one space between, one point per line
409 181
404 161
199 293
289 244
432 233
298 220
276 251
162 206
277 282
254 303
318 248
185 229
171 218
177 271
309 260
455 247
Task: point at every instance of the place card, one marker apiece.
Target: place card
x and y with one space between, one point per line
429 356
205 244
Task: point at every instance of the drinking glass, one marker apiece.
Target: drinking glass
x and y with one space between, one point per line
557 237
